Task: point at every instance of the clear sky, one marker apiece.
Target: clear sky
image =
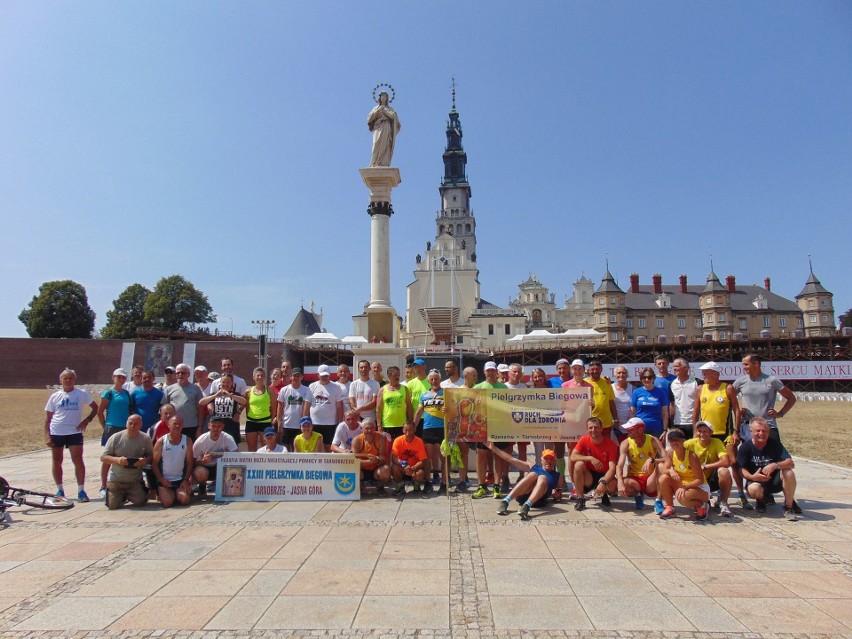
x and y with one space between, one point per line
222 141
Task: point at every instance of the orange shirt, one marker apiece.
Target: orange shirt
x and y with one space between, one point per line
412 452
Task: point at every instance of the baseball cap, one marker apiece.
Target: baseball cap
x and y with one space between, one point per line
296 371
675 433
632 423
490 366
305 420
503 368
578 362
711 366
419 362
119 372
705 424
561 361
214 375
323 370
201 368
270 431
169 369
548 453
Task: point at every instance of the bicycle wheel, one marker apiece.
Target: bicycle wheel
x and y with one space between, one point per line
40 500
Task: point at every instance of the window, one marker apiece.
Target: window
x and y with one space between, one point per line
812 318
612 301
697 322
507 329
661 322
459 339
800 323
708 301
613 318
782 322
601 301
641 322
825 319
767 321
723 335
681 322
811 303
709 318
629 322
602 318
491 329
743 324
823 303
721 318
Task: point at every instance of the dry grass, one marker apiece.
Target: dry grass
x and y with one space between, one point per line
816 430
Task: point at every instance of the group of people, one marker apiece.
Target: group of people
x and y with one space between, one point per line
673 438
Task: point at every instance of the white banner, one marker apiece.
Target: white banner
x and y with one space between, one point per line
288 477
732 370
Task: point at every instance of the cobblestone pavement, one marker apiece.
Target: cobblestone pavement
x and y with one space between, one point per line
434 568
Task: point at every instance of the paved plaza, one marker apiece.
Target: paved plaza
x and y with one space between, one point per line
389 567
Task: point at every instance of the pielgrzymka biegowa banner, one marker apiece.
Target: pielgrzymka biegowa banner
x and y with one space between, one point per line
506 415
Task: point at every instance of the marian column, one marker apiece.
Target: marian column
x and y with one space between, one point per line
379 323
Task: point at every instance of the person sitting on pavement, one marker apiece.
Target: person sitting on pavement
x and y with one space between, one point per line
371 449
270 441
172 465
642 451
410 461
536 486
768 468
346 432
681 477
126 452
206 452
594 458
308 441
715 463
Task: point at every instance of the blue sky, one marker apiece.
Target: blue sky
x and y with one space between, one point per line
222 141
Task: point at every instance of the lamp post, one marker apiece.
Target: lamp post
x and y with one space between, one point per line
263 327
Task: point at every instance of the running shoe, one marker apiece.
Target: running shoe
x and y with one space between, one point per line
605 502
60 493
769 499
524 512
796 508
462 486
399 489
102 492
761 506
668 511
442 489
497 493
580 504
701 513
573 496
489 479
658 506
503 508
724 510
418 487
427 488
745 503
505 487
202 490
381 492
640 502
81 496
480 492
557 494
790 514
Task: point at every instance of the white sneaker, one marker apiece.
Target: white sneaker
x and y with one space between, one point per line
724 511
102 493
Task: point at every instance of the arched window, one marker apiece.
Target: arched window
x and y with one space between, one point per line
467 230
458 229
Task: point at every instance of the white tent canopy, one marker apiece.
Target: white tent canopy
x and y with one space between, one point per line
326 338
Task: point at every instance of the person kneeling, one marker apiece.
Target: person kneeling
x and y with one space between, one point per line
410 461
594 459
207 450
126 452
681 477
768 467
535 487
173 465
371 449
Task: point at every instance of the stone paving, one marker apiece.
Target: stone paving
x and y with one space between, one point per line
436 567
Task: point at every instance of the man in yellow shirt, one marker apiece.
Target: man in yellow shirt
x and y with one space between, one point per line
714 462
604 398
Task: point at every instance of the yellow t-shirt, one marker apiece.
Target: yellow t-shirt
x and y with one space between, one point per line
638 455
302 445
709 455
603 394
683 467
715 407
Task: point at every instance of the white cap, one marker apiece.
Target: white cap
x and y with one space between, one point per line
490 366
503 368
323 370
632 423
200 368
578 362
711 366
119 371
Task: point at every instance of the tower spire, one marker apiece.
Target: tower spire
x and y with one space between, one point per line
454 93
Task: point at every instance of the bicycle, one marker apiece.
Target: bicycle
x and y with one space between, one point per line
11 496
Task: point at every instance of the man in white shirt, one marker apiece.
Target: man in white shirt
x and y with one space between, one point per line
451 368
363 391
291 407
325 406
206 452
684 388
240 386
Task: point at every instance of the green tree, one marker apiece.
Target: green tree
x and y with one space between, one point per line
127 314
174 303
61 309
846 319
